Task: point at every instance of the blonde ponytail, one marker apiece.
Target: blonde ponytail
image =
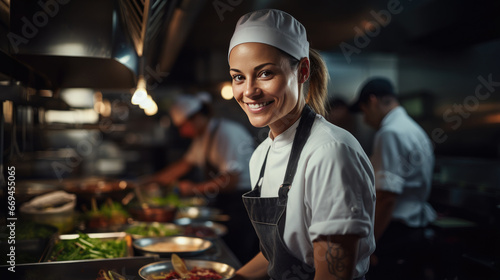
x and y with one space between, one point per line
318 83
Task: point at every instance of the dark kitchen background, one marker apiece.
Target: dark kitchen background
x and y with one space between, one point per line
69 68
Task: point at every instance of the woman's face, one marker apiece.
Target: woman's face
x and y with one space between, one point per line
265 86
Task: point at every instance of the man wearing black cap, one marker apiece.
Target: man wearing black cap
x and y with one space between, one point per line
403 162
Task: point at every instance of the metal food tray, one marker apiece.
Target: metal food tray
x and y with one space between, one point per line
199 245
78 270
28 250
158 269
102 236
219 229
201 213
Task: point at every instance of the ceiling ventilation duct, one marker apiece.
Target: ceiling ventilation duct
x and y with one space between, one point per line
91 43
144 20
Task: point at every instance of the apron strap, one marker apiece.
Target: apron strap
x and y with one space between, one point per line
301 135
300 139
262 171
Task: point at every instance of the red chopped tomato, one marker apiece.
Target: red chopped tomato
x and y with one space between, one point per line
196 274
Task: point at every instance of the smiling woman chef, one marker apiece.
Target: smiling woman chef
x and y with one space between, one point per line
313 215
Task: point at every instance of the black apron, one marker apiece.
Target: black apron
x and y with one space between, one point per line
268 214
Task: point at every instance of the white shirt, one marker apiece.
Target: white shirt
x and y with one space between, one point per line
403 161
230 150
332 192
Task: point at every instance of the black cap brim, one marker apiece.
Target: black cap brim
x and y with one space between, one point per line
375 86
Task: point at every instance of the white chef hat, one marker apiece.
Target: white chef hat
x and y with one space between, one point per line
272 27
185 106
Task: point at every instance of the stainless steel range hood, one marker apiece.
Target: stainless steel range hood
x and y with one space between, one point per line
91 43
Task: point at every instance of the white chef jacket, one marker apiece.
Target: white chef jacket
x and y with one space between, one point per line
332 192
229 151
403 161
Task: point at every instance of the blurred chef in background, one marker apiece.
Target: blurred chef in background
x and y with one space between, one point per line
222 149
339 114
403 161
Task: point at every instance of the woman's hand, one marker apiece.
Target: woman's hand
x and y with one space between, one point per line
255 269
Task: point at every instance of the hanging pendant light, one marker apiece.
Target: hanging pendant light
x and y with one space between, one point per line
140 94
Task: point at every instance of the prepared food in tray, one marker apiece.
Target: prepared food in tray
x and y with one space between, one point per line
83 246
198 269
195 274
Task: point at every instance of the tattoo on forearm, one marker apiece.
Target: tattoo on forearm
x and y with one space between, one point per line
336 258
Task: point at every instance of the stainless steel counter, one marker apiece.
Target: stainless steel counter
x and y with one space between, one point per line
89 269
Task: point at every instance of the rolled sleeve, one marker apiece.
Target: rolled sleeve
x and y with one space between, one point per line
387 159
340 227
342 194
389 181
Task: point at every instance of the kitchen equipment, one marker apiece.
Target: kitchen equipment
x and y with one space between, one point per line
157 269
78 270
146 211
98 188
201 213
28 189
140 198
194 201
32 240
198 228
104 236
115 276
163 214
179 266
109 216
55 208
166 246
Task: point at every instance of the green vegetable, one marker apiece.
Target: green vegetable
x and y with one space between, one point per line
113 208
109 214
108 210
170 199
85 247
30 230
153 230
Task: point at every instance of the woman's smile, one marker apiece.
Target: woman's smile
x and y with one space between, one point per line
257 107
264 85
